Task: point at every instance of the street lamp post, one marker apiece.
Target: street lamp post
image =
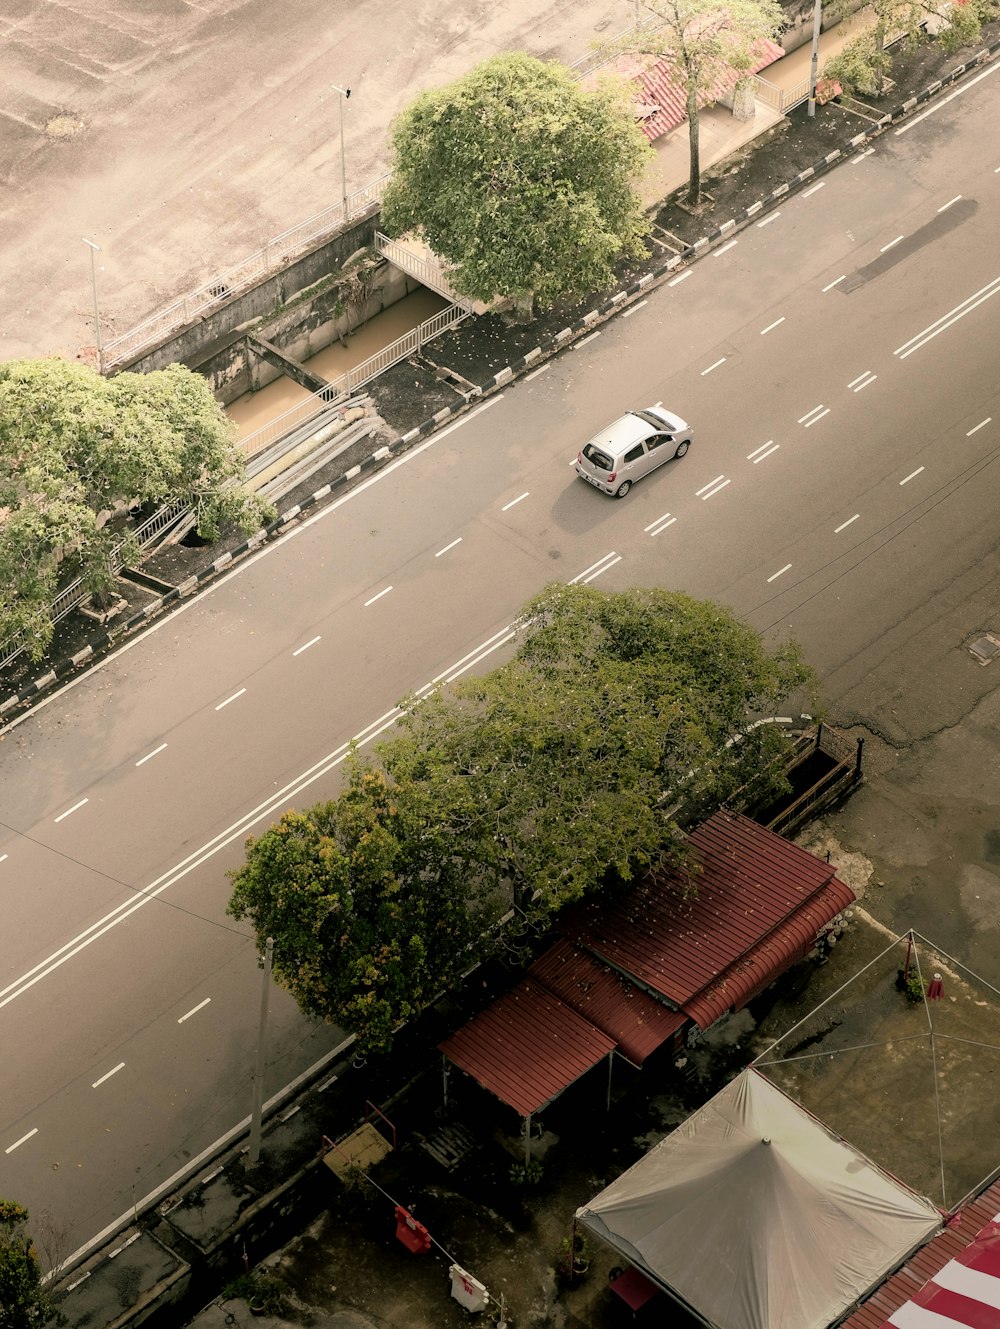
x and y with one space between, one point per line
344 94
814 67
94 250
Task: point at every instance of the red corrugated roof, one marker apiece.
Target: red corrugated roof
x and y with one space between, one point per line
636 1021
680 935
917 1293
527 1047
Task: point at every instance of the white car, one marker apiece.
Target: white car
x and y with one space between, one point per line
631 447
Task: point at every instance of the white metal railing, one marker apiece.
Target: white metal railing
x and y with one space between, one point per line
241 275
342 386
425 267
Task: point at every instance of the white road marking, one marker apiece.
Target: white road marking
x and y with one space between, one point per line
108 1074
378 597
842 277
585 340
311 642
844 524
861 156
763 452
913 474
813 189
862 381
945 206
661 524
535 372
816 419
715 366
725 248
17 1143
684 275
194 1010
600 571
768 220
822 410
2 857
641 305
82 1279
712 488
212 1175
891 243
595 569
771 326
150 755
974 430
447 547
939 325
780 573
509 505
229 699
63 815
905 129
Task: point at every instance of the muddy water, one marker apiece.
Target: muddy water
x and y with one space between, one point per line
256 409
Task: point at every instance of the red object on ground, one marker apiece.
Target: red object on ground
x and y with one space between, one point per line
935 989
412 1234
634 1288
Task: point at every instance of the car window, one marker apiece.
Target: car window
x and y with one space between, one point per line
656 440
599 459
633 454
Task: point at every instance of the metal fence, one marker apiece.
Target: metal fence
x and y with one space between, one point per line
241 275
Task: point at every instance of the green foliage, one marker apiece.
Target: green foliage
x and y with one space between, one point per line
74 447
24 1303
527 1174
706 40
521 179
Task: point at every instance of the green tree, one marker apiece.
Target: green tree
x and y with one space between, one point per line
706 41
23 1301
863 65
75 447
520 179
368 905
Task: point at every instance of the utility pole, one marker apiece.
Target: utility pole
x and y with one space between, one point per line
344 94
95 249
258 1073
814 68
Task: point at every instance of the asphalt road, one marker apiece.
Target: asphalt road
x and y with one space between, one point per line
838 366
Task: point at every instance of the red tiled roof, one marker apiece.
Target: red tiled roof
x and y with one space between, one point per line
934 1283
637 1022
527 1047
680 936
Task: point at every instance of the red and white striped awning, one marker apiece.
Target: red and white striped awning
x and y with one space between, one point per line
964 1294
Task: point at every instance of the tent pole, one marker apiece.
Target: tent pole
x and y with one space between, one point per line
444 1079
527 1139
607 1105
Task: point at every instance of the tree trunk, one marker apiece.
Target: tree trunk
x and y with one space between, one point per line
879 57
524 307
694 183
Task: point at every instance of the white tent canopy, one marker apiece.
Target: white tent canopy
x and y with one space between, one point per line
757 1216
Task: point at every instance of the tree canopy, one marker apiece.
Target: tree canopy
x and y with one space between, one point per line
24 1303
74 447
520 179
706 41
543 781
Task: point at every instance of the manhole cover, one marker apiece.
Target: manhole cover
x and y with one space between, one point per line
63 126
985 648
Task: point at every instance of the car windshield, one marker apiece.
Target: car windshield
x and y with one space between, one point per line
599 459
651 419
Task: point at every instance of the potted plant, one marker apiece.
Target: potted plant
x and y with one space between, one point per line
575 1257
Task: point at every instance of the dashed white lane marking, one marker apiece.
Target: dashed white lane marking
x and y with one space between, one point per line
813 189
586 339
635 308
63 815
509 505
535 373
108 1074
812 416
447 547
974 430
311 642
2 857
725 248
862 381
861 156
905 129
17 1143
661 524
595 569
891 243
763 451
771 326
945 206
842 277
780 573
378 597
229 699
194 1010
844 524
150 755
715 366
712 488
768 220
912 476
684 275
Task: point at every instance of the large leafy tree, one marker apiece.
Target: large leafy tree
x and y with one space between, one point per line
75 446
708 43
24 1304
546 779
520 179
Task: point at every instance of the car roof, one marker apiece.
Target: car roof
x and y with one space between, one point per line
628 429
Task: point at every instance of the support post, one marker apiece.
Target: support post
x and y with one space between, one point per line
94 251
344 94
258 1073
527 1139
814 66
857 759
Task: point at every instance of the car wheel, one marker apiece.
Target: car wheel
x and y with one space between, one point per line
623 489
682 448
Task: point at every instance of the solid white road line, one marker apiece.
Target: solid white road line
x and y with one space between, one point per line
73 809
635 308
939 325
509 505
108 1075
842 277
149 755
684 275
194 1010
780 573
974 430
17 1143
447 547
715 366
378 597
844 524
229 699
905 129
771 326
912 476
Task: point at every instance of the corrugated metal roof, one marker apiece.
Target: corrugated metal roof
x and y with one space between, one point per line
679 935
636 1021
527 1047
908 1297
